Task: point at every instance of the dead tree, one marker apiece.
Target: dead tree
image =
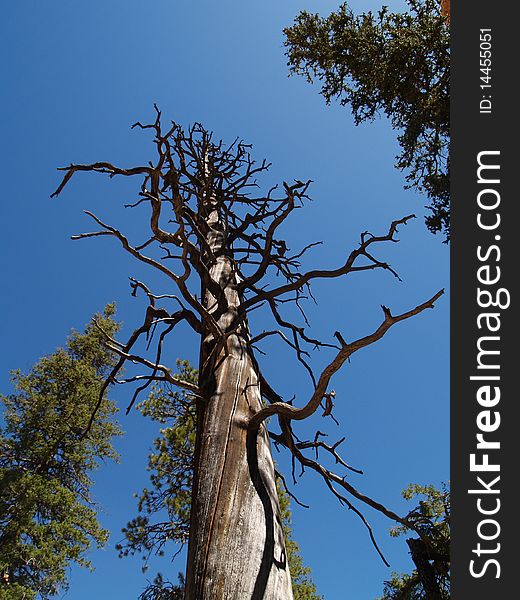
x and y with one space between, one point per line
206 222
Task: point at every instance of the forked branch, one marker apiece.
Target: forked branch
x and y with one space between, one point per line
203 213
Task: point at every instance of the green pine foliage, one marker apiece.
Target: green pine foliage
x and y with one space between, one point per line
432 518
164 508
397 64
303 586
160 589
47 514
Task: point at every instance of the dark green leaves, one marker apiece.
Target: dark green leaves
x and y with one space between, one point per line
47 516
164 509
391 63
430 552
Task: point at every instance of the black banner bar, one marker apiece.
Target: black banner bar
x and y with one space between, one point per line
485 441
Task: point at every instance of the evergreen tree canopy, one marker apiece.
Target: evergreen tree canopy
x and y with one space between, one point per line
430 553
303 586
47 514
394 63
164 509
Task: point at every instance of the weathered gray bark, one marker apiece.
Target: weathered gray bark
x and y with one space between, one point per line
236 546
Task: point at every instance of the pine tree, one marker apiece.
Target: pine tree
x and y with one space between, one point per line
303 586
47 514
397 64
430 552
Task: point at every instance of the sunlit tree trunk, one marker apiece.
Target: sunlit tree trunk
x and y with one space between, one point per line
236 545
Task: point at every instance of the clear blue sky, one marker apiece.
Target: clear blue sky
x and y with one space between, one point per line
76 75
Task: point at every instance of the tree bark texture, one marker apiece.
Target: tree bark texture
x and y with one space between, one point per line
236 544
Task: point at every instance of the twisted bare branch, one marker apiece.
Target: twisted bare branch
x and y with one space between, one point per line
293 413
204 215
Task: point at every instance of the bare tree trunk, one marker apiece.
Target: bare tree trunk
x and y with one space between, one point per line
236 545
